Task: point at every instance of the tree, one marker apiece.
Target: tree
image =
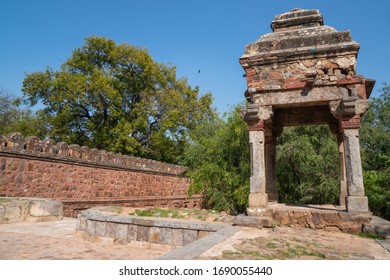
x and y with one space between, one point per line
375 147
14 118
219 164
116 97
218 161
307 165
8 111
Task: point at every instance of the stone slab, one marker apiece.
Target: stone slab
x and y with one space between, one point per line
45 208
378 226
196 248
258 200
132 232
385 244
121 231
357 204
100 229
154 235
189 236
166 236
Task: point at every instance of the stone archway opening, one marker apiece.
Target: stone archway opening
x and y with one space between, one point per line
304 73
306 157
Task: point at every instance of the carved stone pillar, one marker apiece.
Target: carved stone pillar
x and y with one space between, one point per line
342 178
256 117
270 165
335 129
356 201
258 197
271 134
348 110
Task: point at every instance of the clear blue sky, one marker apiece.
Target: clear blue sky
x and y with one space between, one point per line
194 34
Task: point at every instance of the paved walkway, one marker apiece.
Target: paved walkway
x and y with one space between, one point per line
56 240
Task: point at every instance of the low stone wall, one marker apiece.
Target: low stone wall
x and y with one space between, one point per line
16 210
82 177
96 224
310 216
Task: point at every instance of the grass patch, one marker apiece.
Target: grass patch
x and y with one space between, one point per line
157 212
252 253
271 245
5 199
370 235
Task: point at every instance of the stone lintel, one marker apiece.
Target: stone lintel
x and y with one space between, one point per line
303 116
297 97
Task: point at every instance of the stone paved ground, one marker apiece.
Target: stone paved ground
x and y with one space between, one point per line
56 240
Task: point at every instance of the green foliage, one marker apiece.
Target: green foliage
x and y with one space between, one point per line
375 144
307 165
218 161
116 97
8 111
370 235
158 212
16 119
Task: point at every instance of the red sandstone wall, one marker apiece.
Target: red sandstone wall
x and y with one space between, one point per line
80 183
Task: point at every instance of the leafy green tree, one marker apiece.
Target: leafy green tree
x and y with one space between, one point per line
375 146
307 165
8 111
218 161
14 118
116 97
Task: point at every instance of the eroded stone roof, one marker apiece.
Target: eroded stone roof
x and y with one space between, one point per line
300 31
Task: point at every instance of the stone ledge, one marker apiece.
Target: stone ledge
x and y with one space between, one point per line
310 216
378 226
94 224
16 210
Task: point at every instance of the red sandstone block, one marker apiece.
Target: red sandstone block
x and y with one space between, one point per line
294 85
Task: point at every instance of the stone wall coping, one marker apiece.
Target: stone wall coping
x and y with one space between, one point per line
98 215
15 145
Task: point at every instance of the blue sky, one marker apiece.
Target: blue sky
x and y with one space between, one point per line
194 34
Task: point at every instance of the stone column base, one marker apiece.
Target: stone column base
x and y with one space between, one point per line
258 202
357 204
273 196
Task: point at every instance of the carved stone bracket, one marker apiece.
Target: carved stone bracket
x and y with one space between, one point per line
348 106
255 116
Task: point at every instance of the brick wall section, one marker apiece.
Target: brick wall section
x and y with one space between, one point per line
81 177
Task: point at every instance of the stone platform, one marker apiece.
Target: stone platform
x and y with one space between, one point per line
327 217
101 223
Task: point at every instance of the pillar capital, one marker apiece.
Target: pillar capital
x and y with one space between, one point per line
255 115
348 106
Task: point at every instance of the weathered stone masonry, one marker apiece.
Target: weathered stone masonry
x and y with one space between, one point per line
304 73
81 177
